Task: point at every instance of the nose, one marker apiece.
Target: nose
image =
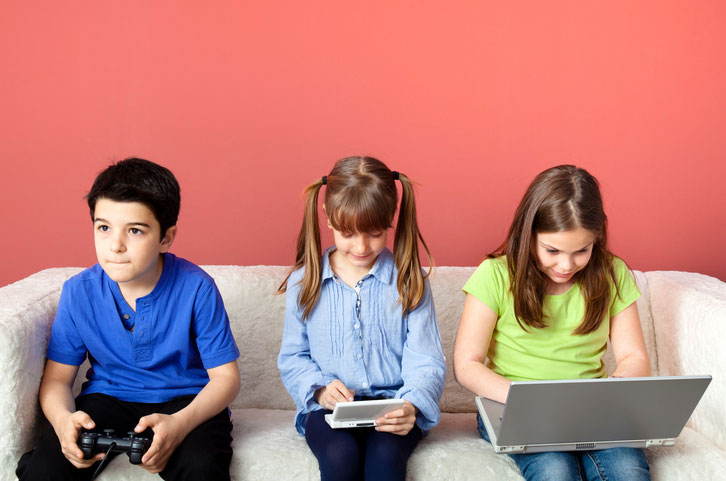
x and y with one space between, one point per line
361 244
117 243
566 264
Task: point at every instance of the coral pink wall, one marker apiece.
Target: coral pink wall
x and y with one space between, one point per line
247 102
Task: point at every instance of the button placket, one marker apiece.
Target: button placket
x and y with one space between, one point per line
357 326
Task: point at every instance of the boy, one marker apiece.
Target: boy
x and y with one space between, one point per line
163 358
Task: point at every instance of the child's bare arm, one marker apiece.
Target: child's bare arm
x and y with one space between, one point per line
170 430
56 400
626 339
470 352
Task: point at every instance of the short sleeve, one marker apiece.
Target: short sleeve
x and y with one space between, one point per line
627 292
488 283
214 337
66 345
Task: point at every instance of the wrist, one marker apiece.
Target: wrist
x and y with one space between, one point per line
184 421
59 418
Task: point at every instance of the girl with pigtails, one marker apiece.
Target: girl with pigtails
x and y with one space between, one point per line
360 323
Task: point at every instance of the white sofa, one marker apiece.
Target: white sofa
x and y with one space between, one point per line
683 317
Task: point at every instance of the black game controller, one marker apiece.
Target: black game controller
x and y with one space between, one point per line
133 444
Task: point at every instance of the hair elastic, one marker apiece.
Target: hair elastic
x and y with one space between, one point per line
325 180
395 175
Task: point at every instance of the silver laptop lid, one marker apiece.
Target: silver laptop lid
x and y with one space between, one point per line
599 410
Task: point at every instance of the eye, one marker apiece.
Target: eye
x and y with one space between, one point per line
375 234
552 251
135 231
102 228
346 235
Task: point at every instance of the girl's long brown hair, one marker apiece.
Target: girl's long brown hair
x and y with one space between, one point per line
559 199
361 196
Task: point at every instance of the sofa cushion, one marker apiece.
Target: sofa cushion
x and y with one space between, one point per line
266 446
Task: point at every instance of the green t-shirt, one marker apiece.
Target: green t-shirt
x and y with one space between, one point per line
552 352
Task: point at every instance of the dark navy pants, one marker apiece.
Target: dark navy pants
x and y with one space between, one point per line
358 453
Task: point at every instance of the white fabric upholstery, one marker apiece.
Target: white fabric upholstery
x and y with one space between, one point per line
683 317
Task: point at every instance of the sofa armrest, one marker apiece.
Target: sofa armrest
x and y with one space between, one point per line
27 309
689 313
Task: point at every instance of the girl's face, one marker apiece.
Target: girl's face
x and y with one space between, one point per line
560 255
359 249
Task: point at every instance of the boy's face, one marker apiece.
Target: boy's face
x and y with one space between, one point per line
128 246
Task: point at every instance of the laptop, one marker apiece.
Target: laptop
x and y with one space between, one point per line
361 414
590 414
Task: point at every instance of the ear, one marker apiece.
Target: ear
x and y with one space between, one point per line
168 239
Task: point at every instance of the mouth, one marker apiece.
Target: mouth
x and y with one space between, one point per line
562 276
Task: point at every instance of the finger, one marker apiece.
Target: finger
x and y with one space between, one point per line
347 394
337 395
400 429
145 423
158 462
79 462
69 445
396 413
155 448
82 420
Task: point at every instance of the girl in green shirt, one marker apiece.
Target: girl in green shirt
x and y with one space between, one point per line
543 307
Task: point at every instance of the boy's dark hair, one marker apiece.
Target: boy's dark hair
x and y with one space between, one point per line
139 180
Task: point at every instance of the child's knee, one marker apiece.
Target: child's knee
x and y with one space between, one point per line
546 466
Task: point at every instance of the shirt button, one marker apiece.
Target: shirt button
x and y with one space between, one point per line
356 325
365 384
126 316
360 355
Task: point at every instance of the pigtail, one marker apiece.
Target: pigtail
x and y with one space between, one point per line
308 253
411 281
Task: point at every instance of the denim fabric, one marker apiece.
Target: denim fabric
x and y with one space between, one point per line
615 464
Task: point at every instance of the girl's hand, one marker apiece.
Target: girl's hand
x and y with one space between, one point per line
399 421
332 394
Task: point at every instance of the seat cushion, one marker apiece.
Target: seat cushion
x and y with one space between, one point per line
267 447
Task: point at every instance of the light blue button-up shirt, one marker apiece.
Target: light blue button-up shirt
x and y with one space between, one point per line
376 352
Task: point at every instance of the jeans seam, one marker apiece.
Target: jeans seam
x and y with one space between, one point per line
596 462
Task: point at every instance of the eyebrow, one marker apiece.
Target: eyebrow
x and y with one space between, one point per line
100 219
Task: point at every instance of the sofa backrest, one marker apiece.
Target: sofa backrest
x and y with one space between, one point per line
257 314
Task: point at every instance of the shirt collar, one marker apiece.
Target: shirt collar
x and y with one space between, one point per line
381 270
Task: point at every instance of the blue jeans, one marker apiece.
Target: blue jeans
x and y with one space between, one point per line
615 464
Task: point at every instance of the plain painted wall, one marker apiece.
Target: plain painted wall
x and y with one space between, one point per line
248 102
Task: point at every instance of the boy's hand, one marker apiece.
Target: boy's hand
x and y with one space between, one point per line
399 421
169 432
67 432
332 394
